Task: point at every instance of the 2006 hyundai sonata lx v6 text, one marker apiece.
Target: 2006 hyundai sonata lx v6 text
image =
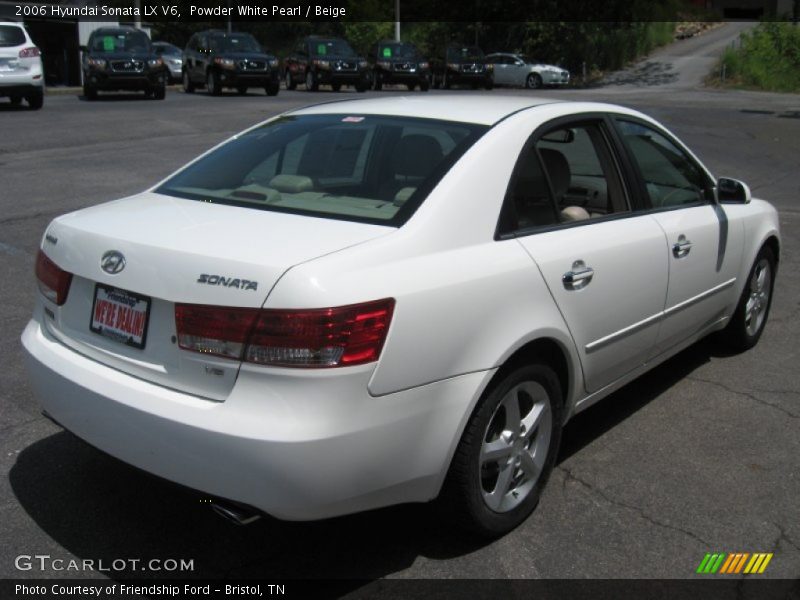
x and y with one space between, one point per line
365 303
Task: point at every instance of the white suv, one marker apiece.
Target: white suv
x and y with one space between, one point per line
21 73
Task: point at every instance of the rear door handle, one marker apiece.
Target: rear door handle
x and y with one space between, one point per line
682 247
578 277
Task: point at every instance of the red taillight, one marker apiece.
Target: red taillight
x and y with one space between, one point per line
53 281
31 52
214 330
328 337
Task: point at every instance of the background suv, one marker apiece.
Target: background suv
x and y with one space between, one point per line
464 65
399 62
20 66
217 60
121 58
320 60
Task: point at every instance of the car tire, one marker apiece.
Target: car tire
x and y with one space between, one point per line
289 80
411 86
188 86
503 461
89 92
212 84
15 100
35 99
424 85
378 83
312 84
489 85
533 81
273 89
160 92
750 317
446 84
241 90
361 87
336 87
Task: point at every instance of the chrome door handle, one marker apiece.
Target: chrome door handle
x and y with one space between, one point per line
578 277
682 247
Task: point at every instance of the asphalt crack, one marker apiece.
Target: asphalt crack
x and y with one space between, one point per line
570 476
752 397
783 537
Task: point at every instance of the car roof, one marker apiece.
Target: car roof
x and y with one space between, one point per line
480 110
483 110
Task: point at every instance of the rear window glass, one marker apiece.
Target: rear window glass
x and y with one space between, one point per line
365 168
11 35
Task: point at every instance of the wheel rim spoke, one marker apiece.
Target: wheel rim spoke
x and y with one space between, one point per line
530 466
495 451
511 405
501 489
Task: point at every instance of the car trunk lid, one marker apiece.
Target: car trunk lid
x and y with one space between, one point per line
175 251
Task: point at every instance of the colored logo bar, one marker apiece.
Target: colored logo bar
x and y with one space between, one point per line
734 563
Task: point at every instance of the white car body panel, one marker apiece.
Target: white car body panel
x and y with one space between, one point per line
306 443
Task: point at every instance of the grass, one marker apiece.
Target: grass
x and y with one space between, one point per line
768 58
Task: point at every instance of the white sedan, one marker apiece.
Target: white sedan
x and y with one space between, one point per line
365 303
519 70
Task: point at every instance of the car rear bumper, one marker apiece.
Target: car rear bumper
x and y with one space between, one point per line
298 445
21 82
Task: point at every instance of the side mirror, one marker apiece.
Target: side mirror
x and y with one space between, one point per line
732 191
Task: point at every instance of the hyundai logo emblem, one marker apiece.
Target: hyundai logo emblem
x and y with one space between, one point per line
112 262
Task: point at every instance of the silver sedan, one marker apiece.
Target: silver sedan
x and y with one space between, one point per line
172 57
519 70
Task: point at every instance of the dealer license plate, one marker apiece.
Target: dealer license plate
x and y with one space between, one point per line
120 315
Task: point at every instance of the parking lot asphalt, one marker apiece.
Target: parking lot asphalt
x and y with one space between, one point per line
700 455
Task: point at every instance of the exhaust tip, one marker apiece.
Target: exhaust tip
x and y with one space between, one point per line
239 514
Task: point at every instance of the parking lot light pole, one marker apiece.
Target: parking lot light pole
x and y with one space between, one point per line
397 20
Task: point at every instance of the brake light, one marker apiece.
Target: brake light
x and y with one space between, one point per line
53 281
31 52
328 337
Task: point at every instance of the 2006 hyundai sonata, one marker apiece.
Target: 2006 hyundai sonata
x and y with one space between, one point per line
371 302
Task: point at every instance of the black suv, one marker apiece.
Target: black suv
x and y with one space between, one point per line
121 58
325 60
464 65
399 62
217 59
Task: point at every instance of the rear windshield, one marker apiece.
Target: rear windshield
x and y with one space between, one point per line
11 35
236 42
119 41
370 169
331 48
